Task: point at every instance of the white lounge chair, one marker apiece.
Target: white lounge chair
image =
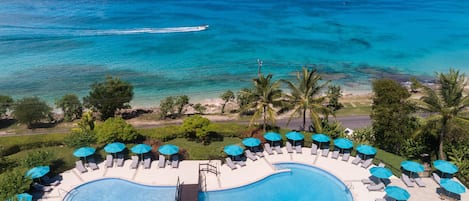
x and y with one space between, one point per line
436 177
407 180
371 180
314 149
335 154
419 182
325 152
42 188
92 164
289 147
109 161
298 149
259 154
161 161
241 163
230 163
134 163
346 156
376 187
380 199
147 162
249 154
357 160
278 149
268 149
175 161
120 160
79 166
367 163
381 164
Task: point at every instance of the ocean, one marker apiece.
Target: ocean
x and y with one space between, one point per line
49 48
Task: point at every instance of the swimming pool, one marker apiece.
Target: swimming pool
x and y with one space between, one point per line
112 189
302 183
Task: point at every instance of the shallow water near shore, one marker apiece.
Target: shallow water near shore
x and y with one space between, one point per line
50 48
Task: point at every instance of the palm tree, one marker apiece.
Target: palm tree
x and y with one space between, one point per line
266 96
305 96
446 103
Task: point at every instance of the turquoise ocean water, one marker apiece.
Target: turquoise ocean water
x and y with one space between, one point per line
50 48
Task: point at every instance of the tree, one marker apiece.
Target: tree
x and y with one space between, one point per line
180 102
391 114
13 182
226 97
266 96
80 138
333 94
87 122
108 96
196 126
305 97
5 104
31 110
446 104
71 106
167 107
415 85
200 108
243 98
115 129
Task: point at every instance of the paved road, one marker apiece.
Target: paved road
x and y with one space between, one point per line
352 122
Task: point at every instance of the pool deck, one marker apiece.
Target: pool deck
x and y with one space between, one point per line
187 173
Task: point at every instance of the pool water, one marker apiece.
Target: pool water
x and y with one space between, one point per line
118 189
302 183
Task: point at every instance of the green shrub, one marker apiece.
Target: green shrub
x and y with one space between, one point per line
115 129
164 134
14 144
80 138
13 182
39 158
196 127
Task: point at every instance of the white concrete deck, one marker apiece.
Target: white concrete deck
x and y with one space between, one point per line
187 172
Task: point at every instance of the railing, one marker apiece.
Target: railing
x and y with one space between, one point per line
177 196
207 167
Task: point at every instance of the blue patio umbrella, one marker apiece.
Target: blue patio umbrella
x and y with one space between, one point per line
272 136
366 149
295 136
114 147
380 172
397 193
84 152
320 138
251 142
168 149
445 166
452 186
233 150
343 143
412 166
141 148
24 197
38 172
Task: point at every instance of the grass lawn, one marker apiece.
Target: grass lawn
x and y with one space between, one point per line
63 156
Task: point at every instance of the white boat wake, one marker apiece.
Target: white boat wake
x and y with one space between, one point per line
151 30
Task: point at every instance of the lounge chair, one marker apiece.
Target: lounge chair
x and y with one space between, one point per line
367 163
79 166
289 147
241 163
175 161
298 149
381 164
325 152
42 188
406 180
147 162
371 180
120 160
357 160
419 182
380 199
134 163
436 177
161 161
268 149
376 187
259 154
230 163
335 154
92 164
249 154
314 149
109 161
50 182
278 149
346 156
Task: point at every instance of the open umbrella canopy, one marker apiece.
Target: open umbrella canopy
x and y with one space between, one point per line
251 142
412 166
233 150
141 148
445 166
295 136
343 143
380 172
24 197
37 172
397 193
320 138
366 149
168 149
84 152
452 186
114 147
272 136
